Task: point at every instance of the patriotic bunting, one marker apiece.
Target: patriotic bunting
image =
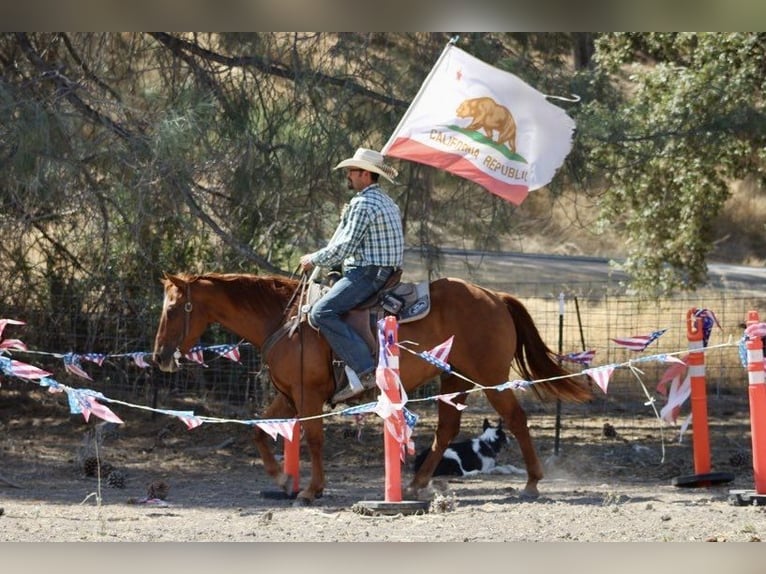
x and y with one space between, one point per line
276 428
448 399
639 342
600 375
140 359
708 321
678 391
230 352
15 368
83 401
72 365
196 355
582 357
438 355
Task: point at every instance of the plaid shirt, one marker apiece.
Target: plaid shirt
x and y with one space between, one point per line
369 233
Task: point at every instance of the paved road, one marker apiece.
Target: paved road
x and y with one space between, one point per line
499 268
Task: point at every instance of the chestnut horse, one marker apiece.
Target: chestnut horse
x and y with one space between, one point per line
492 331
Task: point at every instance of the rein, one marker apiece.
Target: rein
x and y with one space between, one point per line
187 319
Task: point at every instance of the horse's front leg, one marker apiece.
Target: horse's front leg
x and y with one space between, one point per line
280 407
313 430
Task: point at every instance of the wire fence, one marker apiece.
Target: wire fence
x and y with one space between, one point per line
592 315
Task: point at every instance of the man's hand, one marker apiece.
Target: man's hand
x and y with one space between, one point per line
306 264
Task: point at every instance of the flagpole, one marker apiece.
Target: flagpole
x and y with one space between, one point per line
417 97
557 433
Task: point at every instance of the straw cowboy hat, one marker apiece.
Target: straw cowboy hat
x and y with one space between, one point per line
370 160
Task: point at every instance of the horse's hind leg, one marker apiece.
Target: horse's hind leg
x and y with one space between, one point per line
515 420
280 407
447 428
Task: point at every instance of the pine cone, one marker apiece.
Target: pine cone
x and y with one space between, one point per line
158 489
609 431
90 466
740 459
116 479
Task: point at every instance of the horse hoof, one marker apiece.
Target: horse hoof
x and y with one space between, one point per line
301 502
529 495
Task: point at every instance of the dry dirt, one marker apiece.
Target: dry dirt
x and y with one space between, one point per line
598 488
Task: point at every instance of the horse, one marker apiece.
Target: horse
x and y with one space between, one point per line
493 333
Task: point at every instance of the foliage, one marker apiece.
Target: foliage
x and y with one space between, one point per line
126 155
691 122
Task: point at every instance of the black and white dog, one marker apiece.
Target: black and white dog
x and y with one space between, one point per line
473 456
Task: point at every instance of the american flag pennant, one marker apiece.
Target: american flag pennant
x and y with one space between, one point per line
674 371
101 411
14 368
196 354
363 409
72 365
83 401
582 357
53 385
4 322
230 352
639 342
97 358
276 427
447 398
756 330
395 424
516 384
678 393
13 344
187 417
410 418
139 359
438 355
708 321
600 375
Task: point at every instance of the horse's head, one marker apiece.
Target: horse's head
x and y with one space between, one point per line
179 327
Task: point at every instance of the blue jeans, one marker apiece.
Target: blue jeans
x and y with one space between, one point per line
356 286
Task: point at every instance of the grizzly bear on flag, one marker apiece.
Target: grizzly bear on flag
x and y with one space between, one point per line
489 116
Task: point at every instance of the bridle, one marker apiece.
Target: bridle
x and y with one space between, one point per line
188 306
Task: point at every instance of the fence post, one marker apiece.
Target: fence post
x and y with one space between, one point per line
700 429
757 396
387 375
392 446
292 460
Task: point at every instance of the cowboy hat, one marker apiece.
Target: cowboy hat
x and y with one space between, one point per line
369 160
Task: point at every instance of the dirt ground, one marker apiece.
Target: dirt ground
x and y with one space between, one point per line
607 483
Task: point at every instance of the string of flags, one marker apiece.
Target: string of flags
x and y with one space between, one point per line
674 383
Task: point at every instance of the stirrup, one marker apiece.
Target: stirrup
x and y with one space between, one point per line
355 386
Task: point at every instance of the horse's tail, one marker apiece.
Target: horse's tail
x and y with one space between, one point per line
534 359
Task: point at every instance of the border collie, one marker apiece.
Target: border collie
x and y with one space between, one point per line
471 456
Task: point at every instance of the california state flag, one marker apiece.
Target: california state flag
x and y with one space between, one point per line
485 125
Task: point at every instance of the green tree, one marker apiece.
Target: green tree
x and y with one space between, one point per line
690 121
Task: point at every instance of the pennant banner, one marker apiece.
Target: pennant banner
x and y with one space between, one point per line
483 124
600 375
582 357
639 342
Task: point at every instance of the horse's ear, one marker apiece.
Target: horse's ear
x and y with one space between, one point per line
174 279
500 423
485 426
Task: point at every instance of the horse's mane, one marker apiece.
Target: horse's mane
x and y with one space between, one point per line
250 290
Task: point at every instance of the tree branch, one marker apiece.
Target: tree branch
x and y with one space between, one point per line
276 69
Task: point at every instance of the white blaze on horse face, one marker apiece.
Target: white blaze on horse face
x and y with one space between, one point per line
167 302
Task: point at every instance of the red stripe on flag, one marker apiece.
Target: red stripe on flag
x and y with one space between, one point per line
406 148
